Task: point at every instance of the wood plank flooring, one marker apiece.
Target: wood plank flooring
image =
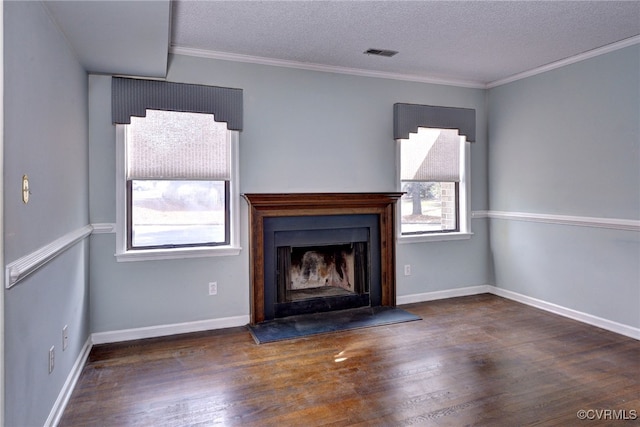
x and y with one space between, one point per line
478 360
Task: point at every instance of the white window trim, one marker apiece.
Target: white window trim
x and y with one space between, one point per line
122 254
464 203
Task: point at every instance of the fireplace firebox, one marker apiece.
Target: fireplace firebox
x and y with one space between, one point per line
316 252
320 263
312 272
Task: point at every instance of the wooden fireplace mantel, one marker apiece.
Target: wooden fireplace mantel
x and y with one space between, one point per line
305 204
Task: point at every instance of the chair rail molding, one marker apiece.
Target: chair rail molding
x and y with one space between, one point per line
103 228
22 267
581 221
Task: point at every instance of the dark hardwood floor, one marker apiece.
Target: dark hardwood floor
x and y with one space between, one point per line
479 360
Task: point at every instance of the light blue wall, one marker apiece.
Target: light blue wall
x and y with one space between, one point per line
45 123
304 131
567 142
563 142
148 293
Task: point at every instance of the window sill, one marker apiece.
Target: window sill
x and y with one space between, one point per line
181 253
435 237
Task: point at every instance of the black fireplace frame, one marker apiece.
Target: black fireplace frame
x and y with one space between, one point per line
313 231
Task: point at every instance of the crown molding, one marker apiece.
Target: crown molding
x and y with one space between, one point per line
567 61
226 56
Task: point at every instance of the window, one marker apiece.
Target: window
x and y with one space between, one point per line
178 176
430 175
177 169
433 170
179 191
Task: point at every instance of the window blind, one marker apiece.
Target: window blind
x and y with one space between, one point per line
176 145
431 155
133 97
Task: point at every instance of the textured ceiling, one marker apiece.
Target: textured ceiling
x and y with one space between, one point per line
478 42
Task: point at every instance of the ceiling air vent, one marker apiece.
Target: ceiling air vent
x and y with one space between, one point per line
380 52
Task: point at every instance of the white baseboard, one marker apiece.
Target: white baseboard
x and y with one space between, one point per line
164 330
589 319
449 293
63 397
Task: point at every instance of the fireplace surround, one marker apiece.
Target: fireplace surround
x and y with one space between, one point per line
330 220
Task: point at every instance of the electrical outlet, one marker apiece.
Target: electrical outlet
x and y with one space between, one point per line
65 337
52 358
213 288
407 270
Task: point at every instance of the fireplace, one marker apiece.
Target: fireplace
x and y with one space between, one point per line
315 252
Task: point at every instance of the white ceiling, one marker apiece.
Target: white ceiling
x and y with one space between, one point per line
474 43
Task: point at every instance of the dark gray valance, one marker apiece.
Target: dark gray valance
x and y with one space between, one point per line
407 118
132 97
